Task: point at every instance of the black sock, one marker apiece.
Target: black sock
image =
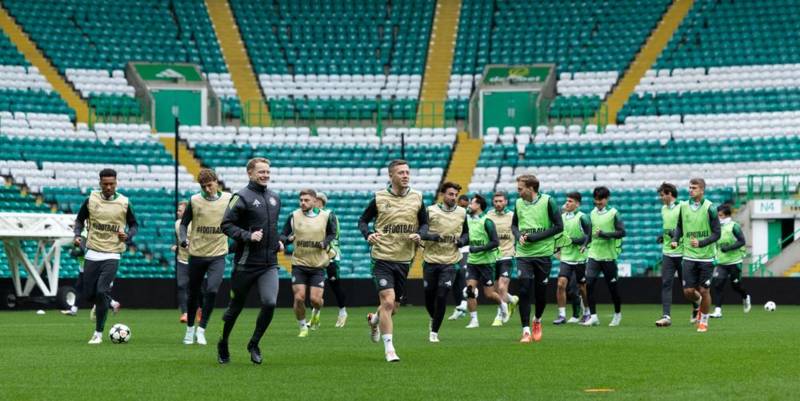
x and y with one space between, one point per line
226 330
717 291
612 288
541 299
101 312
262 323
336 286
438 317
590 294
230 320
439 309
738 288
208 301
576 307
458 284
430 302
525 301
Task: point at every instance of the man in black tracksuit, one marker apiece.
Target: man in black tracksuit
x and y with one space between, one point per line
252 222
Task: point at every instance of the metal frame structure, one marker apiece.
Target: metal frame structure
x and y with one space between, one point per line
51 232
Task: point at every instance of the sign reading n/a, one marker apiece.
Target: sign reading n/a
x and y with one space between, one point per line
168 72
516 75
767 207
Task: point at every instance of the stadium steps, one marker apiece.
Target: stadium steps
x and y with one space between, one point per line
439 63
285 261
785 263
794 271
647 56
465 157
186 156
37 59
237 60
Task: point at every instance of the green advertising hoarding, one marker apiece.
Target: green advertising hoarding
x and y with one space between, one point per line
516 75
168 72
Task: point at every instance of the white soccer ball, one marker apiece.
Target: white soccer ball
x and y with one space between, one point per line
769 306
119 333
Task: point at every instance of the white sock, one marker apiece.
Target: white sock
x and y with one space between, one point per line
190 328
718 310
562 311
200 330
301 323
617 315
594 316
388 346
114 303
474 315
73 309
526 330
537 319
509 298
98 334
342 311
462 305
504 308
704 317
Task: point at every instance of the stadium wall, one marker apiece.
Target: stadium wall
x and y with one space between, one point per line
160 293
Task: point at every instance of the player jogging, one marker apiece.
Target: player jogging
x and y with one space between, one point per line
698 226
536 224
334 280
671 258
501 216
574 241
461 269
606 245
483 243
398 212
730 252
312 231
251 220
105 214
444 234
208 248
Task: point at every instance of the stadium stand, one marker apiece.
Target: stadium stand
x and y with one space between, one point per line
90 43
726 57
719 104
722 101
313 66
591 44
22 87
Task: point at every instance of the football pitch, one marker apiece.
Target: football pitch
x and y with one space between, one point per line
752 356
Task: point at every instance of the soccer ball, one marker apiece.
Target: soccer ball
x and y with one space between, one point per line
119 334
769 306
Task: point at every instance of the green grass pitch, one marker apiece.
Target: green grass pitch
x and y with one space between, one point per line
754 356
